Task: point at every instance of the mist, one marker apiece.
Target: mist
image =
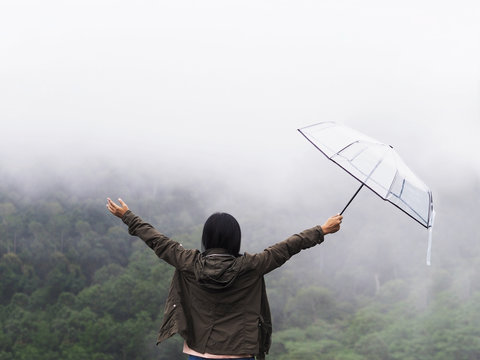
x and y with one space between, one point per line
207 97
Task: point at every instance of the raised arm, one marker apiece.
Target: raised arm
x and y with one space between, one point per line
166 249
276 255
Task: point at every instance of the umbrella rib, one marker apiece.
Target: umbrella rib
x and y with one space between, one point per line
332 123
339 151
356 155
401 199
389 191
373 170
398 197
361 172
397 206
413 210
403 187
381 197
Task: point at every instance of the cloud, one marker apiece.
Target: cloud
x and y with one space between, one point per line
220 88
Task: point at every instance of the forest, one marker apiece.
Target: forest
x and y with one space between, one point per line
75 285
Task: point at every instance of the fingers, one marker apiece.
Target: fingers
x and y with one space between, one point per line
122 203
332 225
337 218
114 205
111 206
116 209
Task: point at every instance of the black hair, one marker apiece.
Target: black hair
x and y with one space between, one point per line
221 230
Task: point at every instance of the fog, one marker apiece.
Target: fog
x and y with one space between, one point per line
139 99
208 95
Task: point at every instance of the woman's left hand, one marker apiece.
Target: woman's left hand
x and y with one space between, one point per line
115 209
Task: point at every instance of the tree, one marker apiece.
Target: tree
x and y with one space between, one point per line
11 276
310 304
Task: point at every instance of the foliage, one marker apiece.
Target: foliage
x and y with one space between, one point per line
75 285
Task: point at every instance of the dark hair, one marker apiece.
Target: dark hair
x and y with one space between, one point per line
221 230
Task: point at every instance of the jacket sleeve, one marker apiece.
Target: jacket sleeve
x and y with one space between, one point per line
276 255
166 249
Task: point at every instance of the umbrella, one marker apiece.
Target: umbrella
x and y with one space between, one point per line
376 166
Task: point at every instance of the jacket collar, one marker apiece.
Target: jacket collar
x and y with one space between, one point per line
216 252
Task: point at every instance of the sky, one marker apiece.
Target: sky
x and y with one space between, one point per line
218 89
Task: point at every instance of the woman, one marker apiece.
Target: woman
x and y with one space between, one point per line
217 300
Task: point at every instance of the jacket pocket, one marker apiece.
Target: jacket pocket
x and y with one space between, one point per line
169 324
264 335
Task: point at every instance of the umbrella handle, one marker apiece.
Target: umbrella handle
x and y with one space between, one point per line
353 197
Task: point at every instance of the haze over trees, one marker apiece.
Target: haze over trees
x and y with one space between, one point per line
75 285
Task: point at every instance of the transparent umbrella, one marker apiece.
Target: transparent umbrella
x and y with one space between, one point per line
376 166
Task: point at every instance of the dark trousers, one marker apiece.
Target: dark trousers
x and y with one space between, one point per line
193 357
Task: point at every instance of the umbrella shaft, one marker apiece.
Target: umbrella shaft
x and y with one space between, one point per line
353 197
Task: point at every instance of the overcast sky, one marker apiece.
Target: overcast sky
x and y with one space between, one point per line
221 86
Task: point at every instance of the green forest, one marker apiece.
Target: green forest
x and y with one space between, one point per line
74 285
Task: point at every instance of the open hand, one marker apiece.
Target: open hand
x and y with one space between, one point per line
115 209
332 224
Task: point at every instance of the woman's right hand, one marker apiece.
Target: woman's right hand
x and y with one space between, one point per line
332 224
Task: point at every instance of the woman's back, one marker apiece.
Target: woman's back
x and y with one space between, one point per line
224 301
217 300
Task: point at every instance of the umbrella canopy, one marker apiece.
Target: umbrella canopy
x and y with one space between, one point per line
376 165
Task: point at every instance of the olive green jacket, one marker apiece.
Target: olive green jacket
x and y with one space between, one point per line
217 302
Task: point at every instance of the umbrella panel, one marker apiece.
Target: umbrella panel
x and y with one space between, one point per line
370 163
